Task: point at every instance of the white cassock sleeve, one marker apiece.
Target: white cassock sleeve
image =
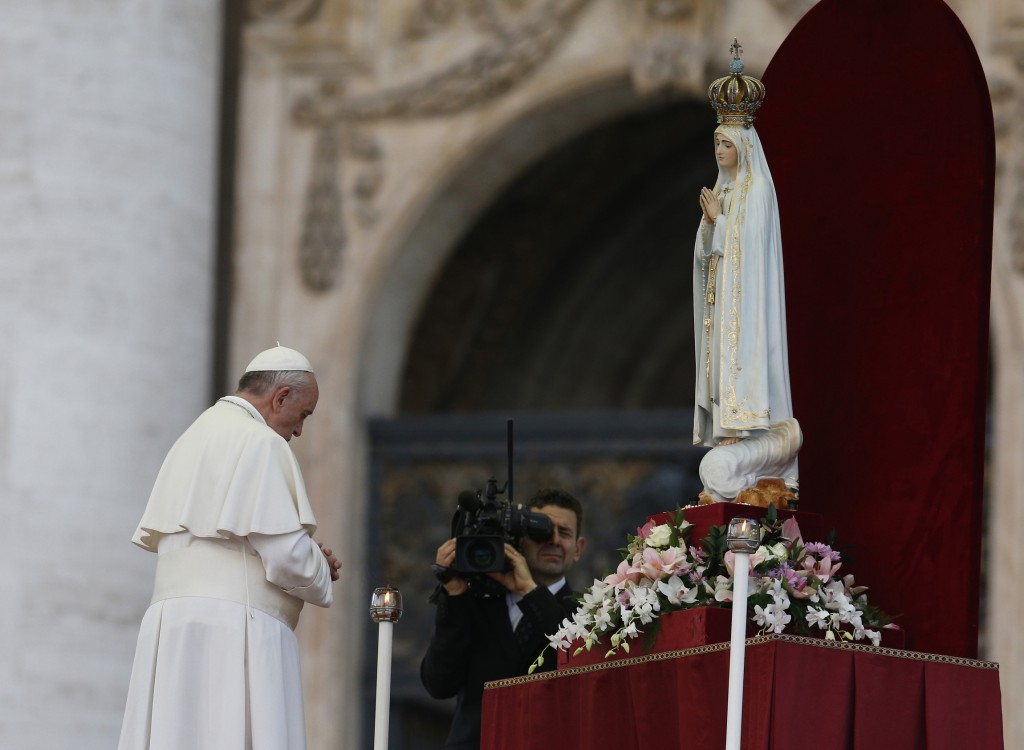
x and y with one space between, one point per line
294 562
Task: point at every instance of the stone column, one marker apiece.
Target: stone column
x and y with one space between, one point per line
108 127
997 29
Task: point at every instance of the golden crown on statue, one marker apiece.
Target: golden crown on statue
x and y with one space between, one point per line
736 97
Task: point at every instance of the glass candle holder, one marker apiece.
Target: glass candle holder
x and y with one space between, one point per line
744 535
386 604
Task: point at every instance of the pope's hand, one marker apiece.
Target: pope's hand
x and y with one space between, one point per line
519 580
332 562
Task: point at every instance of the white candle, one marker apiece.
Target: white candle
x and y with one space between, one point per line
737 647
385 609
380 725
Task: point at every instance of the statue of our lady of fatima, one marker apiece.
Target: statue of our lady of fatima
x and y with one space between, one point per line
743 409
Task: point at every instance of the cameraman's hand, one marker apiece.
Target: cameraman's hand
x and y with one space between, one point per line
446 558
519 580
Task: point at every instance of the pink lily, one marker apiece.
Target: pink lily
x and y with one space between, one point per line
823 570
625 572
791 531
661 564
644 530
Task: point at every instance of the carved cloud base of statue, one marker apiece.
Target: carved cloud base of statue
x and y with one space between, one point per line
729 470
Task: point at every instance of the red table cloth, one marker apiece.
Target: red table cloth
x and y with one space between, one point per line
798 692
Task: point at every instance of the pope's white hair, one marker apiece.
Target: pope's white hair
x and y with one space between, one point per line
260 382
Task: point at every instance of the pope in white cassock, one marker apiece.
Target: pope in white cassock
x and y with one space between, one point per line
217 663
742 379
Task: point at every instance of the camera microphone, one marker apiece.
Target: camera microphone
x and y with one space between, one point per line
468 501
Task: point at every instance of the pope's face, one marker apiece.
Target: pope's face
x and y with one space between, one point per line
549 561
725 152
289 409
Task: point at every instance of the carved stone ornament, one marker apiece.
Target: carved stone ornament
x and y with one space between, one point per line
669 10
283 11
323 231
507 57
666 34
495 17
793 9
1004 69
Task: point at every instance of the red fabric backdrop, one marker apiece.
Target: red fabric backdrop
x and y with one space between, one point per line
878 130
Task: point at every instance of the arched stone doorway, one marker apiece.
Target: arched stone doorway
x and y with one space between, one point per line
573 290
567 305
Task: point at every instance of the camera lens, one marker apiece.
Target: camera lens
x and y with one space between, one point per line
481 554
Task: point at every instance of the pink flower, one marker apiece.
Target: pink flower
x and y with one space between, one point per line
823 570
798 581
644 530
625 572
658 564
791 530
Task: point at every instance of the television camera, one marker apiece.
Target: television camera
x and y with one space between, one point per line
483 524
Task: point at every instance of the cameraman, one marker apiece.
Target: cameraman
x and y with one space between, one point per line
480 636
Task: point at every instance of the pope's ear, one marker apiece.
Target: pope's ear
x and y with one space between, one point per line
280 396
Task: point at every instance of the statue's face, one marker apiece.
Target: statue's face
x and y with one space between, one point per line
725 152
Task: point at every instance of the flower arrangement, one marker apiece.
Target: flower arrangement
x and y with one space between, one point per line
793 586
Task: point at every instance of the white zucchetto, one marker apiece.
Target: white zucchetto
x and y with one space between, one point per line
279 359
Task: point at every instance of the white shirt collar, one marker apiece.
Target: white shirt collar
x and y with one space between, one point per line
512 601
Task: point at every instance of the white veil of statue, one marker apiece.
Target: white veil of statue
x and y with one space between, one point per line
742 361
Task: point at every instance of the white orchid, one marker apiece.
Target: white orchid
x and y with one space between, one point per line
723 589
818 617
676 592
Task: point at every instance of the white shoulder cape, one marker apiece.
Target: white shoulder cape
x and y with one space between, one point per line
227 475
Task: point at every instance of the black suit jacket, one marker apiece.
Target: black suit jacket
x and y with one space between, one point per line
473 643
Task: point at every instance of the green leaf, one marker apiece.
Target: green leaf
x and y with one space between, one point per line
714 545
650 634
798 611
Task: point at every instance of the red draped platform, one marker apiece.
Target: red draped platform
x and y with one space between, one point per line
798 692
